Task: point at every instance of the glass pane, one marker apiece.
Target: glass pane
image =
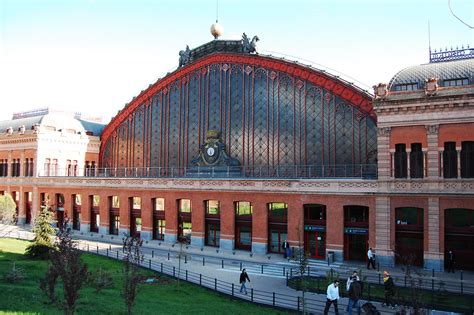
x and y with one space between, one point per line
274 242
278 209
160 204
95 200
185 205
115 202
213 206
138 224
243 208
245 236
78 200
97 220
137 203
320 237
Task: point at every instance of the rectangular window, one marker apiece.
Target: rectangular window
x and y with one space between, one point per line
160 226
115 203
450 160
95 200
400 161
77 200
456 82
185 205
114 224
136 203
467 159
212 207
406 87
159 204
243 208
187 230
416 161
409 216
278 209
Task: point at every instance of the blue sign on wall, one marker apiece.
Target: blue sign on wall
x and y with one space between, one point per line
314 228
356 231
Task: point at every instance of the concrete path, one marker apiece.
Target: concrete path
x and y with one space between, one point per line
268 287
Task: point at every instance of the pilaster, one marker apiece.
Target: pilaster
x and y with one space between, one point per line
433 257
433 155
383 244
383 153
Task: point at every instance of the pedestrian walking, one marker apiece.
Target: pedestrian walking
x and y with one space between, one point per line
389 288
451 259
332 295
285 246
355 294
244 277
351 278
370 258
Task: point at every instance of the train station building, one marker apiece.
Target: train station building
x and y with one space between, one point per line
239 150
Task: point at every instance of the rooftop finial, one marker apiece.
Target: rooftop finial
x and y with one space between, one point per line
216 29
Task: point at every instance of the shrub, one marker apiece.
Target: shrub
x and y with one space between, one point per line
14 275
101 279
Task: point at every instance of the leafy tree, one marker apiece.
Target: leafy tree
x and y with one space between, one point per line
132 248
44 235
301 257
66 263
7 209
413 303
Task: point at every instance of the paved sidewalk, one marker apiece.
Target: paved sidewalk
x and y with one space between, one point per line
270 281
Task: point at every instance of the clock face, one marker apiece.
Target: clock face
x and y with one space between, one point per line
211 151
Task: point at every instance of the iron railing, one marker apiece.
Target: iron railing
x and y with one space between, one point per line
360 171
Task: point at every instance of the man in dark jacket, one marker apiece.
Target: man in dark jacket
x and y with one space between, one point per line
243 278
389 288
451 259
355 294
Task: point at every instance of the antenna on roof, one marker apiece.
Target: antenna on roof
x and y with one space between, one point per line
429 38
217 11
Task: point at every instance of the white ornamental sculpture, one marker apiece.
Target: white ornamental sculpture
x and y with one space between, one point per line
431 86
380 91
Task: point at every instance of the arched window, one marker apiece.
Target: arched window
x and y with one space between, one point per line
416 161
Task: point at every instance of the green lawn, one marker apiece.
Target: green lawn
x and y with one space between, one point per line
163 298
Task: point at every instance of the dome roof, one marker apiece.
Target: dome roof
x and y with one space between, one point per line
450 70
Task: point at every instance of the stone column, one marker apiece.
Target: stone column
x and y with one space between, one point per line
86 213
22 163
21 207
9 167
295 224
441 162
147 209
433 256
35 204
433 154
171 217
458 151
198 218
335 230
104 214
383 152
227 239
124 213
408 163
383 231
259 227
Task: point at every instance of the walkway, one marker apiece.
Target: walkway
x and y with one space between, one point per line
219 270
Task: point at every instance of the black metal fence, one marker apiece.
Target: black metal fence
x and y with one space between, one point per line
361 171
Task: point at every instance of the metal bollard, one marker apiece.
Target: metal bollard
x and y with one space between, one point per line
117 255
161 267
107 252
251 294
97 249
240 266
185 259
174 269
200 279
232 289
222 263
168 255
284 271
149 264
203 261
215 284
273 298
186 274
309 271
262 269
152 254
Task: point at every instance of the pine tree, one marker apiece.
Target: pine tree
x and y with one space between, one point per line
44 236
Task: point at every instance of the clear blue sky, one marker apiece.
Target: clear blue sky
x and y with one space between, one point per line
93 56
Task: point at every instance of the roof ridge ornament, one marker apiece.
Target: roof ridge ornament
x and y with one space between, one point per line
184 56
249 46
